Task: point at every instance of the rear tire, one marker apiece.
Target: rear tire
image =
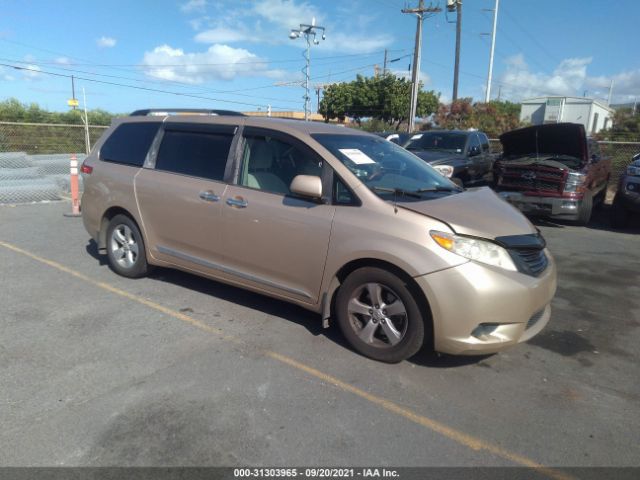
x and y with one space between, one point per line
619 214
586 209
379 316
125 248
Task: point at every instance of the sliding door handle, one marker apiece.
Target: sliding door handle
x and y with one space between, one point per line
209 196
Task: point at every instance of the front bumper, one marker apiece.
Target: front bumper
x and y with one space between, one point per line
479 309
557 207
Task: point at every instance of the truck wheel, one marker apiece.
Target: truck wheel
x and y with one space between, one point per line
619 214
379 316
586 208
125 248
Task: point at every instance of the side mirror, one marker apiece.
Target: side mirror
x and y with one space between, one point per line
474 151
307 186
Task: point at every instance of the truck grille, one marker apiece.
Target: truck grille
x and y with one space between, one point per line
532 261
527 177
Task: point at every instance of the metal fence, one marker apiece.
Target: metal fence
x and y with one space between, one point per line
34 138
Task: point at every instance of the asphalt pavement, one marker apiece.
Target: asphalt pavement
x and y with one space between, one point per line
97 369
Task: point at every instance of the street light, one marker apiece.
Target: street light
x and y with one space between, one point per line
309 33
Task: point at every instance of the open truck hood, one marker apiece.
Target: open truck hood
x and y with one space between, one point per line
478 212
544 140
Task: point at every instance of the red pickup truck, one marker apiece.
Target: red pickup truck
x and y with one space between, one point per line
552 170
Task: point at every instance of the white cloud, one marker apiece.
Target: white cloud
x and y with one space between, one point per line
287 13
31 72
424 78
218 62
6 76
62 61
106 42
194 6
569 78
356 42
626 86
223 35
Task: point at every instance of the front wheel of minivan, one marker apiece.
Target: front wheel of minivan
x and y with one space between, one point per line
125 248
379 315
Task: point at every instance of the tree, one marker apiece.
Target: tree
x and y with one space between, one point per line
493 118
12 110
384 98
626 125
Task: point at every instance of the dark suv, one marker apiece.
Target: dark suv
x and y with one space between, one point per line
463 156
627 199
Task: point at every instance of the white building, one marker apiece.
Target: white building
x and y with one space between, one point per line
593 114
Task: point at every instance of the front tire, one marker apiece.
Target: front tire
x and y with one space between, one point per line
586 209
379 316
125 248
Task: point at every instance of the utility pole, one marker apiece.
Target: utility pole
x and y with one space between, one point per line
384 65
309 33
73 92
419 12
457 5
487 96
610 92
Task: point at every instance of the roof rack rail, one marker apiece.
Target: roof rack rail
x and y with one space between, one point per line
183 111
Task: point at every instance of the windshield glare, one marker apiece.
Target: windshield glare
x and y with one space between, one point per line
382 165
449 141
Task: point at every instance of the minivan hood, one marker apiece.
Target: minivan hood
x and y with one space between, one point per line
556 138
478 212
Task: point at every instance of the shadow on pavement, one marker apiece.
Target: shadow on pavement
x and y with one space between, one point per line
281 309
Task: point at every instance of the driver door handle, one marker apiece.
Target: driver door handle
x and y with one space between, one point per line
237 202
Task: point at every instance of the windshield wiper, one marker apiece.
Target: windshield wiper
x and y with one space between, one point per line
438 189
397 191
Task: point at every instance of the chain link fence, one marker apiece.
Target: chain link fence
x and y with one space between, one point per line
34 159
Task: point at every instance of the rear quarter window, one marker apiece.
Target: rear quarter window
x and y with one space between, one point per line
129 143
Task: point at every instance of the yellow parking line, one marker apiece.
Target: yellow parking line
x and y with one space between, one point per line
458 436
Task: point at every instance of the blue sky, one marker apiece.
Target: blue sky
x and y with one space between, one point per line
236 54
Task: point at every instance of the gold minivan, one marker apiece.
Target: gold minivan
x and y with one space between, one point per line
338 221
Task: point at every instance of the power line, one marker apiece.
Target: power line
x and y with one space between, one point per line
135 86
180 84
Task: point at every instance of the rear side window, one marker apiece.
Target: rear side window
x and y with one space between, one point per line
129 143
484 142
195 154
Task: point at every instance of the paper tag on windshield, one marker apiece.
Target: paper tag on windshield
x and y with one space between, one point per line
416 136
356 156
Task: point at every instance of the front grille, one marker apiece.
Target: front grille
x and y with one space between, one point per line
534 319
531 178
532 261
526 184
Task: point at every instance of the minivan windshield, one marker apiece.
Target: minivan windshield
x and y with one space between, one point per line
442 141
386 168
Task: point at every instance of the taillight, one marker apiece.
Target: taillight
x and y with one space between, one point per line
86 168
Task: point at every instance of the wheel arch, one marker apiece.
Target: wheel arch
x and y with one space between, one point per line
328 310
104 222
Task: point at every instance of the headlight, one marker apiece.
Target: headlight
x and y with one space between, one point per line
575 182
633 170
444 170
482 251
